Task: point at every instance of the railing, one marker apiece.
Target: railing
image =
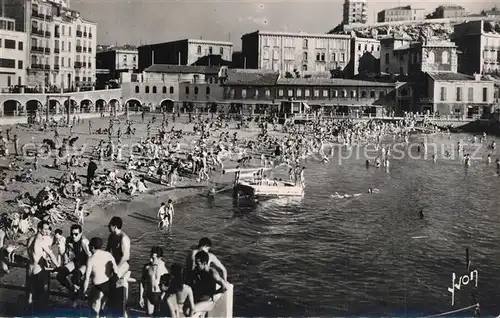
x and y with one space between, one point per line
37 66
79 34
78 49
37 49
56 66
84 49
47 50
78 65
37 32
46 67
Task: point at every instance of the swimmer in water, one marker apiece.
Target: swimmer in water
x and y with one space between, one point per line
488 159
372 190
421 214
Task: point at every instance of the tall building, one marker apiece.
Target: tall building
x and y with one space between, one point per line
299 53
182 52
365 56
406 13
112 63
355 11
61 44
479 44
13 46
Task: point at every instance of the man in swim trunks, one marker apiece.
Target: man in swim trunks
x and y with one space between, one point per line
40 255
101 266
205 244
75 260
150 281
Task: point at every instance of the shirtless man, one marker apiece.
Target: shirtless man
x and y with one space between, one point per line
150 281
205 244
39 254
163 220
101 266
119 246
75 261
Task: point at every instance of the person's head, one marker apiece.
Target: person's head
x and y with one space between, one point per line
156 253
58 233
169 201
165 282
201 260
163 204
204 244
177 271
95 244
115 224
43 228
76 232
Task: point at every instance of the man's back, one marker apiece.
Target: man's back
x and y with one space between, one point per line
102 265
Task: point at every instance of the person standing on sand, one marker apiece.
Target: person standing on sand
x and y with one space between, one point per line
150 292
91 169
39 257
101 266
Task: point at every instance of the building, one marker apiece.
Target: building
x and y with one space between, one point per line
406 13
13 52
493 13
479 44
448 12
365 56
115 62
299 53
355 11
61 44
182 52
456 95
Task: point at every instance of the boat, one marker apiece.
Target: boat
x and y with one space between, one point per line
253 184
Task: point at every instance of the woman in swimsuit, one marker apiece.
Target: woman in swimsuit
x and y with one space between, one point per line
175 293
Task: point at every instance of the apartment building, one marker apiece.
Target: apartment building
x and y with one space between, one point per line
182 52
13 46
355 11
448 12
299 53
61 44
480 46
405 13
365 56
114 62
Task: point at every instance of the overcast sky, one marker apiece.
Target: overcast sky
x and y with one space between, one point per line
151 21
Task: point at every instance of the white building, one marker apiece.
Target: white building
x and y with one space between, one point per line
355 11
13 46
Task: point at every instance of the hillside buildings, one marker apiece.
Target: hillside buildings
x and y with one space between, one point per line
355 12
397 14
182 52
448 12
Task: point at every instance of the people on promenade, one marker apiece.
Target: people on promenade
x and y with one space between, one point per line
149 291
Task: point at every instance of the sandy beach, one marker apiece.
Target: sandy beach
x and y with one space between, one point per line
12 283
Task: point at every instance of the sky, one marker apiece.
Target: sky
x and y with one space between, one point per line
139 22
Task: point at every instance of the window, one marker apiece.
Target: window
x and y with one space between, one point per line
171 90
381 94
334 57
325 93
10 44
363 94
134 58
290 93
316 93
198 49
7 63
147 90
62 30
207 90
304 56
137 89
323 56
164 90
485 94
359 47
210 50
372 94
443 94
280 93
318 57
307 93
196 90
20 65
353 94
268 93
445 57
154 89
243 93
386 58
20 46
305 44
187 89
344 93
431 57
299 92
304 67
459 94
470 94
69 46
9 81
221 51
342 57
366 47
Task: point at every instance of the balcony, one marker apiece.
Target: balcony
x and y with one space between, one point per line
47 34
49 17
84 64
78 64
37 66
90 50
78 49
84 49
37 15
47 50
46 67
57 34
37 49
84 34
57 51
56 66
79 34
37 32
90 35
90 65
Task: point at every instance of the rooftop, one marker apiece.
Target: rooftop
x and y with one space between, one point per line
299 34
452 6
181 69
195 41
251 77
408 7
450 76
331 82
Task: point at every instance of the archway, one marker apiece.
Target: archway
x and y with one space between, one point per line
213 108
167 105
85 106
101 105
11 107
114 105
32 106
73 103
54 106
133 104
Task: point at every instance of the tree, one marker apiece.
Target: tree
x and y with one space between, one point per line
288 75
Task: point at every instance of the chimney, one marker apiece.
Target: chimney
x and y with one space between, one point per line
477 77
